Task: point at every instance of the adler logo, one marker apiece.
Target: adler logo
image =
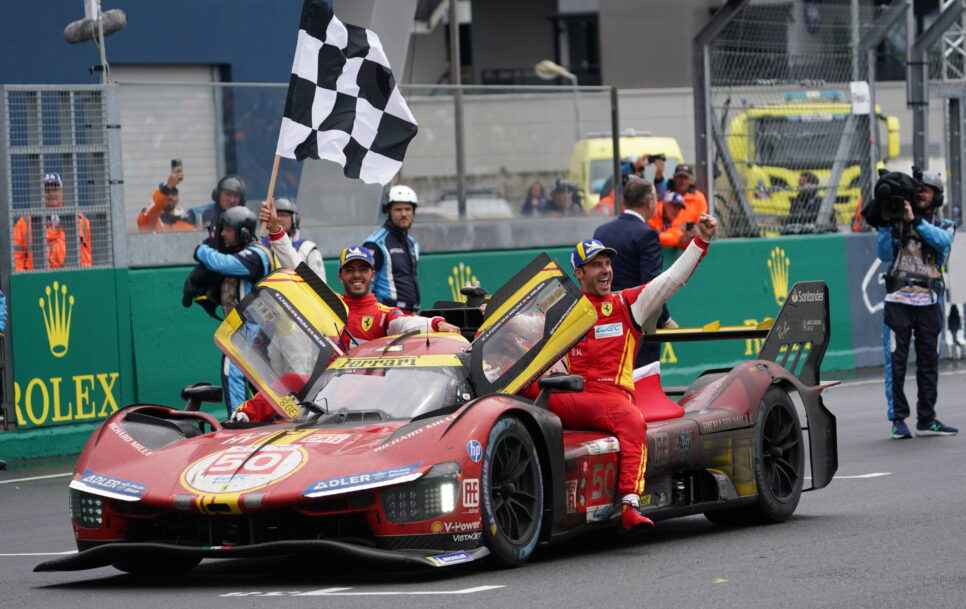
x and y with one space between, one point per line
56 309
816 296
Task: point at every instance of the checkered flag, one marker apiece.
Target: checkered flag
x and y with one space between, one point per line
343 103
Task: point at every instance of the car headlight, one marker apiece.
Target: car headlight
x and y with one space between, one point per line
86 510
429 497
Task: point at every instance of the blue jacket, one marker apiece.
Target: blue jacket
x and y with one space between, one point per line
937 236
3 312
250 264
396 255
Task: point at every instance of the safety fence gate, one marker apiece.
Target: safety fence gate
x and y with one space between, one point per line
788 132
60 177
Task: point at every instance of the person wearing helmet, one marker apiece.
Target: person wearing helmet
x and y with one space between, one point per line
916 246
281 217
396 253
240 261
228 193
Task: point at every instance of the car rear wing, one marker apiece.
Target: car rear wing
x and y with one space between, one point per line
796 339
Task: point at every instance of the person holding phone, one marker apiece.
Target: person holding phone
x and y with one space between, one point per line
164 214
679 209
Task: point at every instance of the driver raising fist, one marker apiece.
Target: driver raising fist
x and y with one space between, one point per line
604 357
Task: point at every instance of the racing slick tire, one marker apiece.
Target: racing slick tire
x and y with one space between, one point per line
512 493
779 465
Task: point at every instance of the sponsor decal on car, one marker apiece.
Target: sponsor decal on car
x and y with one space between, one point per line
243 468
471 493
740 420
462 527
609 330
597 513
398 361
803 296
661 448
475 450
415 432
354 482
571 496
127 439
603 446
684 444
452 558
326 438
464 537
101 484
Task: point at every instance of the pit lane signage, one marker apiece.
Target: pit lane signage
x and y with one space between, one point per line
67 346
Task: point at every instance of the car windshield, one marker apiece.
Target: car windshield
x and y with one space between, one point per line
396 392
802 141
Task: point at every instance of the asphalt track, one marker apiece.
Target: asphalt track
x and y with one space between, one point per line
890 531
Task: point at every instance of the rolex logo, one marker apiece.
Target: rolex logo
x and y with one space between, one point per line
56 309
462 276
778 265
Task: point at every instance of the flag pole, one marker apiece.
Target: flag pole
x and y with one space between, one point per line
271 188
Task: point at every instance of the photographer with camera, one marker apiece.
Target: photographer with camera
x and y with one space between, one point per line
165 214
679 209
631 166
916 242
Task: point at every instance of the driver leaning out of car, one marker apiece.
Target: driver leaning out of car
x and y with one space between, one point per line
604 357
367 319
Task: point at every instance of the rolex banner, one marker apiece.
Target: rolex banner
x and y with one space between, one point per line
69 365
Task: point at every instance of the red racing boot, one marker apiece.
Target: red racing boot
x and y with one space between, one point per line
632 521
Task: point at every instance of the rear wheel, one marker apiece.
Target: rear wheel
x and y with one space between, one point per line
513 493
779 465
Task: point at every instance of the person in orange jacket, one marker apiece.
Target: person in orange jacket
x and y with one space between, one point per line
679 210
164 214
55 236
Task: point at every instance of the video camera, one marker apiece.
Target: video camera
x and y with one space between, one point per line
892 190
655 157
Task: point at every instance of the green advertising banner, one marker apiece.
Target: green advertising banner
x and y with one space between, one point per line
740 282
71 346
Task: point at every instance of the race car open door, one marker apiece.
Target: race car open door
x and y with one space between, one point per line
530 323
283 334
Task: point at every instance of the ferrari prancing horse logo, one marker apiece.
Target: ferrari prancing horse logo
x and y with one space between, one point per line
606 308
367 323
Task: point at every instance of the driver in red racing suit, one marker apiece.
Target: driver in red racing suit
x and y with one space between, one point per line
605 358
367 319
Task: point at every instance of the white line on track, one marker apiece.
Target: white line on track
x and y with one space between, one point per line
35 478
858 476
41 553
345 592
879 381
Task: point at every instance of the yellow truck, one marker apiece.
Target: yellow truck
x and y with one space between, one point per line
591 162
772 145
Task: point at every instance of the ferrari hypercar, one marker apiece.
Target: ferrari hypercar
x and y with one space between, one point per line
417 450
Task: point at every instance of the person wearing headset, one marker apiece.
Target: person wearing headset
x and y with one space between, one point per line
241 261
396 252
228 193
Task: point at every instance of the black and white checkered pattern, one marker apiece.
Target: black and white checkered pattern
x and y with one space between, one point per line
343 103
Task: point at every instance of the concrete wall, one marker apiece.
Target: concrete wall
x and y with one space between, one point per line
511 34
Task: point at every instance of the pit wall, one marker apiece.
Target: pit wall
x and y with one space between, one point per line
87 342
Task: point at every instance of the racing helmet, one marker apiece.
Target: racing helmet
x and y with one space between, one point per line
930 178
230 182
400 194
288 205
242 220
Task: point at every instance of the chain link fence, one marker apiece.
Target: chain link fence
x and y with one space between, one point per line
56 176
791 154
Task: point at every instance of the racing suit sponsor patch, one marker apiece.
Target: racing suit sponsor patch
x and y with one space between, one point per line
609 330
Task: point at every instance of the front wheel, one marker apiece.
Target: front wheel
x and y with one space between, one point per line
779 465
513 493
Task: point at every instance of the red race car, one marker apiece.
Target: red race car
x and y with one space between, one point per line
415 450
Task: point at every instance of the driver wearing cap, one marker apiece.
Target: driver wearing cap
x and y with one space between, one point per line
368 319
604 357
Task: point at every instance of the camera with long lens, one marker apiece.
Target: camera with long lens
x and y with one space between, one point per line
891 191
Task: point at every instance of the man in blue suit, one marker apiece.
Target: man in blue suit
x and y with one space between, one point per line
639 258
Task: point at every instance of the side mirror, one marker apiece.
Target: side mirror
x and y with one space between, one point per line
564 383
194 395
